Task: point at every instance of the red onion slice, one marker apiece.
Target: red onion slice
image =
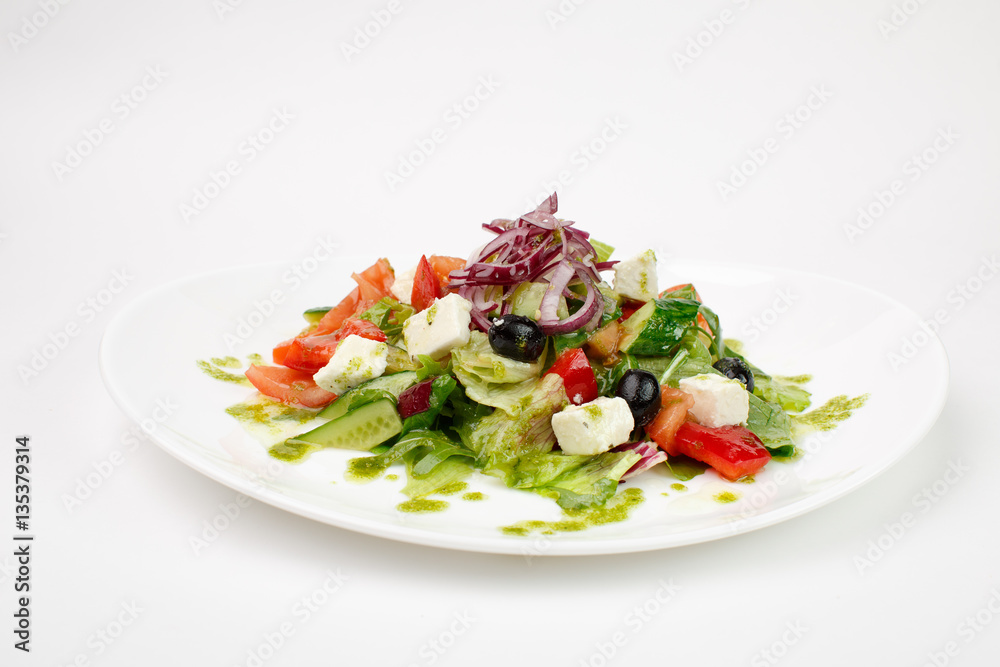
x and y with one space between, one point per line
537 247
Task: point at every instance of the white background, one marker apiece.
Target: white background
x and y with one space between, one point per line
884 79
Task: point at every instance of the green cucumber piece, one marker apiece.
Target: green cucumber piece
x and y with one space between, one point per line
527 299
360 429
314 315
658 326
393 384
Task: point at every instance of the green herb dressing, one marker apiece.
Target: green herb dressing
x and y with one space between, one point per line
676 486
726 497
255 358
452 489
365 469
829 415
227 362
291 451
422 506
794 379
617 509
221 375
473 496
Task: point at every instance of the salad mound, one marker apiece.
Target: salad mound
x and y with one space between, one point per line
524 362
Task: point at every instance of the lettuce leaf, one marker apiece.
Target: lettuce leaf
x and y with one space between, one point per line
590 484
526 429
491 379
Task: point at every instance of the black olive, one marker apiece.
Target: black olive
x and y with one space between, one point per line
517 337
641 390
735 369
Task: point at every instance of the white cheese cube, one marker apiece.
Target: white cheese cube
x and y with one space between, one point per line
402 287
718 401
635 278
438 329
356 359
593 427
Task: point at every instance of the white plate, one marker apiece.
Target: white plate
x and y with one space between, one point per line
790 322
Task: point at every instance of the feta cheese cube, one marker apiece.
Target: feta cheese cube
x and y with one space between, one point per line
718 401
436 330
635 278
593 427
402 287
356 359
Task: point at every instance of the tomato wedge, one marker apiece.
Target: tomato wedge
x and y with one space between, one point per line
313 352
443 266
290 386
426 286
577 375
280 351
373 284
674 406
734 451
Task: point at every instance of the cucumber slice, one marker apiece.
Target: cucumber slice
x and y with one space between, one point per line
360 429
393 384
527 298
314 315
659 325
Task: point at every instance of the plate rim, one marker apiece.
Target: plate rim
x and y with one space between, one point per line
515 545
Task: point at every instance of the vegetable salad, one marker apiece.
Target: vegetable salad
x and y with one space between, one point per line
538 360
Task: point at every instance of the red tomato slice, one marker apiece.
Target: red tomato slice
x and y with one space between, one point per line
313 352
578 377
335 317
290 386
281 351
443 266
734 451
426 286
674 406
377 280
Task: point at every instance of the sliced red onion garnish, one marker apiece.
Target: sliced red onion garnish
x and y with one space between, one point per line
537 247
650 453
